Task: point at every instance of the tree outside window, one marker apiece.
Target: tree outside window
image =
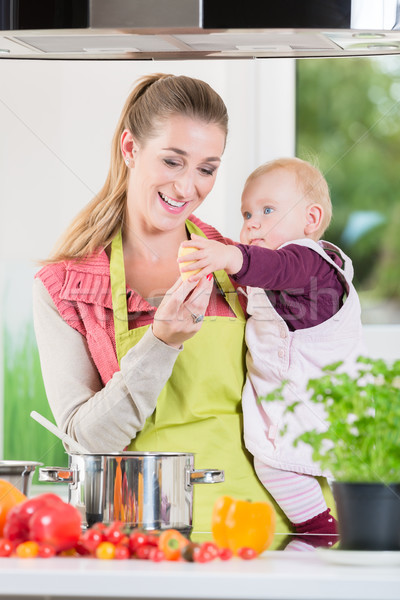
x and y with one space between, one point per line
348 123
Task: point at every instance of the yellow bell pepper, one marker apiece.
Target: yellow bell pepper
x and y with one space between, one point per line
239 524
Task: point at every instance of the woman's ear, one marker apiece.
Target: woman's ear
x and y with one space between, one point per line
314 216
128 148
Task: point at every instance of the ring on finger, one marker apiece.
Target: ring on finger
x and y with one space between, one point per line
197 318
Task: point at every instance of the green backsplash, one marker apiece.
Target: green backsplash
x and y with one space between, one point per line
24 438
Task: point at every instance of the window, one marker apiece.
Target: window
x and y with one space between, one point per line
348 122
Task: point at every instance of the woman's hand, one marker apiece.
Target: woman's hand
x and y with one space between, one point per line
210 256
173 322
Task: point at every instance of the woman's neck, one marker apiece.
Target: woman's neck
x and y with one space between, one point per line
150 259
152 246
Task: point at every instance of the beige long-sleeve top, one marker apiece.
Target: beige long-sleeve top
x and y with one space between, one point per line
101 418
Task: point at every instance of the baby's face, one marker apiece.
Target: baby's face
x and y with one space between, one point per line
274 210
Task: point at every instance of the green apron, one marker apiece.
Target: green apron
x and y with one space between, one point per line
199 408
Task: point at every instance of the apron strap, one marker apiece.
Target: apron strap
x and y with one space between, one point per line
222 279
118 286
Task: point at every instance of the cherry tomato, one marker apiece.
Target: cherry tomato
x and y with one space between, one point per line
122 552
137 539
5 547
152 539
143 551
27 550
105 551
46 551
99 526
203 556
114 532
156 555
91 538
247 553
225 554
210 547
81 550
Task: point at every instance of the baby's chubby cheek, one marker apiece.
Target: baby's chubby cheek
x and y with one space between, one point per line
244 238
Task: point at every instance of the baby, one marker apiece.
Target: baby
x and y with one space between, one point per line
304 313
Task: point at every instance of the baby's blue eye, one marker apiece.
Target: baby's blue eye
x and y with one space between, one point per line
247 215
268 210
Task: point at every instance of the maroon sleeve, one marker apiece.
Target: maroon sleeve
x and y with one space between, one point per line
303 288
289 267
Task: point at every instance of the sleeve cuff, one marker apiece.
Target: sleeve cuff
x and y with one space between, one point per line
160 353
237 276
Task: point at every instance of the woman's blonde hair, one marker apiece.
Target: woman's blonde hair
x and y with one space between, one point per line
154 100
310 180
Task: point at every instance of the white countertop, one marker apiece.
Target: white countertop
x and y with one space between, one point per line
275 575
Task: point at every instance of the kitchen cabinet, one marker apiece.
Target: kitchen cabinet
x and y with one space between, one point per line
276 575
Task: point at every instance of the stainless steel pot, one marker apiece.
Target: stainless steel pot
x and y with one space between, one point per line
19 473
148 490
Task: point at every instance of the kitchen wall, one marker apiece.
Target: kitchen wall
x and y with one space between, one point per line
56 123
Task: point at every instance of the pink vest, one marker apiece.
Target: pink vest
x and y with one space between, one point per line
82 294
276 353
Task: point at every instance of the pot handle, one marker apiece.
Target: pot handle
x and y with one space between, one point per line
205 476
58 475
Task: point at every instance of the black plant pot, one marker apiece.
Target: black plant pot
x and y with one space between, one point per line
368 515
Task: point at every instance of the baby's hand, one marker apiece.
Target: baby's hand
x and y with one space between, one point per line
209 256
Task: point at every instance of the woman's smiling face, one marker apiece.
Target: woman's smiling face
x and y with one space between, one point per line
172 174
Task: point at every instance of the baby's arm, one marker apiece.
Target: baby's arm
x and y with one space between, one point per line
210 256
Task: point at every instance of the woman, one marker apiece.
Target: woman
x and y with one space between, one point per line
133 357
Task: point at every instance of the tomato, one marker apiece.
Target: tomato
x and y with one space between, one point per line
203 555
46 551
10 496
225 554
99 526
44 519
58 525
247 553
17 522
5 547
122 552
91 538
156 555
27 550
152 539
137 539
211 548
143 551
105 551
80 549
114 532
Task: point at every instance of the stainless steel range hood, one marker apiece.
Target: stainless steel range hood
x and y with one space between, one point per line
191 29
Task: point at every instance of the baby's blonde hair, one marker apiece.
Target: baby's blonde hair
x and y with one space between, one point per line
313 184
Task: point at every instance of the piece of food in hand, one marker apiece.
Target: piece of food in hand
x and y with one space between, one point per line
183 250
